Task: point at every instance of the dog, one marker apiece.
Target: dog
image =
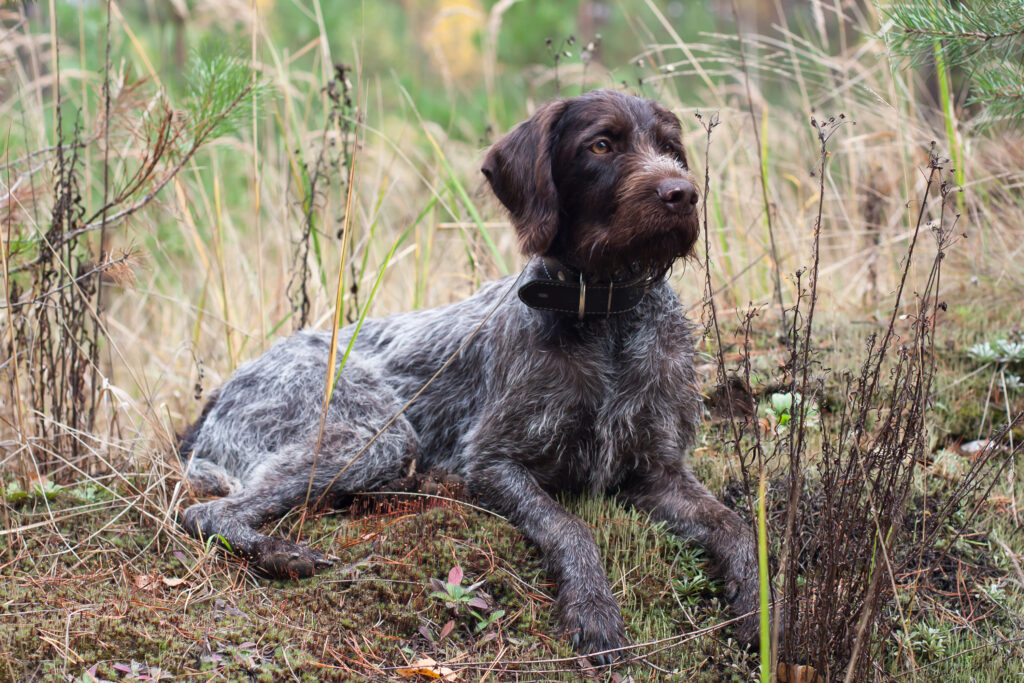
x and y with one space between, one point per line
584 382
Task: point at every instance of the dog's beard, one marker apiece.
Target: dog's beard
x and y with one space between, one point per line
639 242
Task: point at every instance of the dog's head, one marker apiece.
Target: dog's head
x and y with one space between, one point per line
600 182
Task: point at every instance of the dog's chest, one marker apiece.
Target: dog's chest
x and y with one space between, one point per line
614 408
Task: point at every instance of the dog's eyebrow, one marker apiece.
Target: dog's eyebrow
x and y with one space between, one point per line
666 118
668 134
612 126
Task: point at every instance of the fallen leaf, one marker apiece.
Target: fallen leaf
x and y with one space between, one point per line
173 581
429 668
446 629
479 603
89 675
226 608
147 582
245 660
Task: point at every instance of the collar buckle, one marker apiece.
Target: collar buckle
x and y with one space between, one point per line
583 298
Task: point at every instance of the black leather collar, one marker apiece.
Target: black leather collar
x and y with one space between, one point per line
564 290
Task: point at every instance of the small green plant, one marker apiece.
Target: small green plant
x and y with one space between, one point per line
88 676
137 671
484 622
1014 383
996 591
927 642
40 489
1007 356
998 351
692 585
90 492
476 602
454 595
783 406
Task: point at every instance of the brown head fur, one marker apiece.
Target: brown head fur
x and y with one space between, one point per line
599 182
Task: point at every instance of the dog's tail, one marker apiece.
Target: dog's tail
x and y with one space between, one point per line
187 440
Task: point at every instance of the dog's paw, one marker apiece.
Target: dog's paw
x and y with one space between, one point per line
595 626
747 630
283 559
745 600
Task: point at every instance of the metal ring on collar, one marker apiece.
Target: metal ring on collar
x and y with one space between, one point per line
583 297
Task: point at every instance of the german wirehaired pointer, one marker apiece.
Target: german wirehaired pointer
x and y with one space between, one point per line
582 382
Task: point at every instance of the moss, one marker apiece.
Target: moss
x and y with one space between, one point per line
75 599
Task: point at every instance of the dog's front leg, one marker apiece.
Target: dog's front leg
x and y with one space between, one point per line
671 494
587 611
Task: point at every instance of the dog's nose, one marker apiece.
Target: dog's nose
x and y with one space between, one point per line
679 194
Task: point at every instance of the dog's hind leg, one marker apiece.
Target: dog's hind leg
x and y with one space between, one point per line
295 476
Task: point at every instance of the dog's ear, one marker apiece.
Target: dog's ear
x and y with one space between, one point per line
518 167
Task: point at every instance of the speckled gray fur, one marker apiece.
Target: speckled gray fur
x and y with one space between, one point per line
536 404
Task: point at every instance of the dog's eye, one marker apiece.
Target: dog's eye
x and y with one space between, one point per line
667 148
601 147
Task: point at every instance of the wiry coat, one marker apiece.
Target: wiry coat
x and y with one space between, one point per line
537 403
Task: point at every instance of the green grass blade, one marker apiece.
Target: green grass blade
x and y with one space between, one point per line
762 577
460 191
373 294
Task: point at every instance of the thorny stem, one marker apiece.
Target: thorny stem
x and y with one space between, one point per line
796 446
933 169
709 302
916 373
76 280
709 292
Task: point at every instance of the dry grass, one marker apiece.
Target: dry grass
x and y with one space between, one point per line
199 251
